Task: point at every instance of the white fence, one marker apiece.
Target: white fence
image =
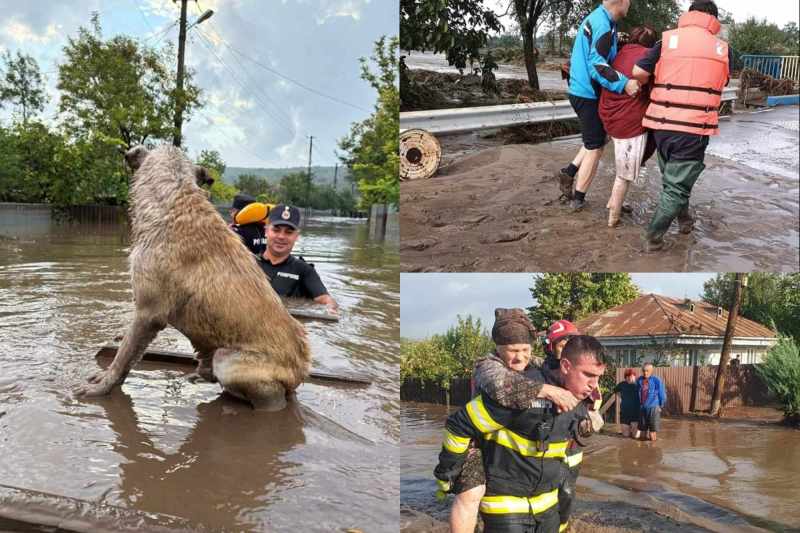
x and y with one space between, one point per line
779 67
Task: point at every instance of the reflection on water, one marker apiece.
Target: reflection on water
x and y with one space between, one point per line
727 474
163 445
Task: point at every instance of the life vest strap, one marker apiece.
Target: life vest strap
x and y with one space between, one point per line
681 123
670 86
707 108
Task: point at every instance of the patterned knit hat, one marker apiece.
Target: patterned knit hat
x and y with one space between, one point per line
512 326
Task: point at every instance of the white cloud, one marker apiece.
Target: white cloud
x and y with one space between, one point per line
340 8
23 33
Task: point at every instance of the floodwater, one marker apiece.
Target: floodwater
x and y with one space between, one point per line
548 79
745 206
164 453
717 476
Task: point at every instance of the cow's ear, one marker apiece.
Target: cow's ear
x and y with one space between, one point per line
135 157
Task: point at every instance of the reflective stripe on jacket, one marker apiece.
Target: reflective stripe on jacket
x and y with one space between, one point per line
522 460
689 77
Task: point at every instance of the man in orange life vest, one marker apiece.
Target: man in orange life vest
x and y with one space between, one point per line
691 67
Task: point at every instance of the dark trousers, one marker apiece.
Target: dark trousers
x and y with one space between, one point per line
566 494
546 522
680 159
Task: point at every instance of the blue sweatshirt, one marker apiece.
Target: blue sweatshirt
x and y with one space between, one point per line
592 54
656 395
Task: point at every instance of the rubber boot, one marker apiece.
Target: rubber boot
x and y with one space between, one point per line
685 221
678 179
615 202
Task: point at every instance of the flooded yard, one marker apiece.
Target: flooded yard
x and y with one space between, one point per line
699 476
161 453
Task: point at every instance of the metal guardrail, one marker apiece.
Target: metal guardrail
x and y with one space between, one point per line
778 67
497 116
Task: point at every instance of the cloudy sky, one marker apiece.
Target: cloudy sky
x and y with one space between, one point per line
253 116
429 303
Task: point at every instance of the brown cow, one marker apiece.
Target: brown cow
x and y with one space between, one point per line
190 271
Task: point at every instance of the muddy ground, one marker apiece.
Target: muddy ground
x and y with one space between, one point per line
496 208
427 89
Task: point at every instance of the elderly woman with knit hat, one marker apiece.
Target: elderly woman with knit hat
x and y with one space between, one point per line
513 334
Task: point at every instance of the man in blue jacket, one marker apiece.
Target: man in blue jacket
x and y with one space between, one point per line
590 70
652 397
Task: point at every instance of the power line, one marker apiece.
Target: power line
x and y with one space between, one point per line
209 47
255 84
139 9
287 78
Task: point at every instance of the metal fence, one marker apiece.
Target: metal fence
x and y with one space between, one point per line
464 119
688 388
779 67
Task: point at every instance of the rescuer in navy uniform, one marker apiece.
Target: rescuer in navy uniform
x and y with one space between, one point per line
290 275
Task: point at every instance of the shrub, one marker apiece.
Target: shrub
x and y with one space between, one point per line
781 372
444 357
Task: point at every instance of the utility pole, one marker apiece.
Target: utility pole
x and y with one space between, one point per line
335 173
308 178
176 139
733 315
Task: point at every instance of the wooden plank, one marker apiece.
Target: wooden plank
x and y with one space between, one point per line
180 358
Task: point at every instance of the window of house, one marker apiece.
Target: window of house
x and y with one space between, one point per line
626 357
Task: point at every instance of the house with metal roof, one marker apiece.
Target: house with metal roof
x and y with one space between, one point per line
674 331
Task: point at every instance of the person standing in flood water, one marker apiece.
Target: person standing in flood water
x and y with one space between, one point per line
507 376
289 275
631 406
652 396
524 450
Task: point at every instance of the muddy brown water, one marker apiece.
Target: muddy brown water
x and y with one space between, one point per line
548 79
167 453
700 475
495 208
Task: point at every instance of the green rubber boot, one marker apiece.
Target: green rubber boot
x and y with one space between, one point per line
678 178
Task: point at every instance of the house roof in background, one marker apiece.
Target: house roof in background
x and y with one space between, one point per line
653 314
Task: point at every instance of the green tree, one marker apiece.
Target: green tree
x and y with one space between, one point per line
465 342
292 188
573 296
444 357
781 372
772 299
119 89
221 192
661 15
792 38
759 37
252 184
372 147
23 84
528 14
458 28
211 159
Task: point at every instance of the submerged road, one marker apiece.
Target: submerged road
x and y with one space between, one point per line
548 79
699 476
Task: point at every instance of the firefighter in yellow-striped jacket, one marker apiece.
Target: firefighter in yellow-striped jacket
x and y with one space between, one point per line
524 451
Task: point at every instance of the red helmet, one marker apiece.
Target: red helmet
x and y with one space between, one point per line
558 330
